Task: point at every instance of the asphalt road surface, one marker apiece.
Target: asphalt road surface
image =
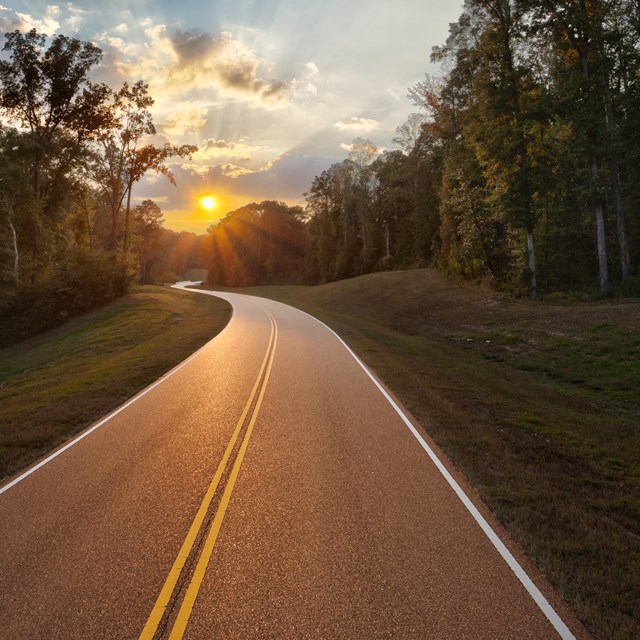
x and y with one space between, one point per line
266 488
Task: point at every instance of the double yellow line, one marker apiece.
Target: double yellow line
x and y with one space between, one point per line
158 611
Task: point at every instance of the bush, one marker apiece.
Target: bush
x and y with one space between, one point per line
168 277
388 263
80 282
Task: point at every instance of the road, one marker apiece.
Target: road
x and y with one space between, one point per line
266 488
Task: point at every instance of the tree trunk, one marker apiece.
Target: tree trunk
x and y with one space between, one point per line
345 218
126 222
35 253
388 240
603 269
532 265
16 254
114 230
88 221
145 262
365 234
623 242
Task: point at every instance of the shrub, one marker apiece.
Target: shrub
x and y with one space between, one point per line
78 283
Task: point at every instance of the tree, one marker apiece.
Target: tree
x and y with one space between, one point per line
260 243
17 205
148 223
49 94
577 32
150 158
498 122
122 159
408 133
362 153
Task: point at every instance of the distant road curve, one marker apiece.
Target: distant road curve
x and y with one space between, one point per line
268 487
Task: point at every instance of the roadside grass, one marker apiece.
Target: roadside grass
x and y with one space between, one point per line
55 384
538 404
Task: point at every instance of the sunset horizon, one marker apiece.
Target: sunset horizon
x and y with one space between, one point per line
271 93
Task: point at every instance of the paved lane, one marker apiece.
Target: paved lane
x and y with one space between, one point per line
337 523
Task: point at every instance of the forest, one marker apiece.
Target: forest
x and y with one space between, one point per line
71 152
518 167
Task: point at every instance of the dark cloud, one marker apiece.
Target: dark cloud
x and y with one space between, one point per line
219 144
202 58
275 91
192 46
239 73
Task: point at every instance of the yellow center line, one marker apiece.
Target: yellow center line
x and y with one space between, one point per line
198 575
162 602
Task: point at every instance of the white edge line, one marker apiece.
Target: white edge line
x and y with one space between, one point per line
557 622
113 414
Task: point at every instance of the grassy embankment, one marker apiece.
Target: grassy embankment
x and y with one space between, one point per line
538 404
54 384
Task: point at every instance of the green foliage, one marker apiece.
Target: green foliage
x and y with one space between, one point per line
48 90
70 156
79 282
521 166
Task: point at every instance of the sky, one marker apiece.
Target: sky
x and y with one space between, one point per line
271 91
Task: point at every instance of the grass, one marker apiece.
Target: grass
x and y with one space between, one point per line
536 403
55 384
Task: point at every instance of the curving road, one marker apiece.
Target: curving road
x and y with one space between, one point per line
266 488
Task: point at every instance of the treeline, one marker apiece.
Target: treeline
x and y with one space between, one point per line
260 243
522 164
70 156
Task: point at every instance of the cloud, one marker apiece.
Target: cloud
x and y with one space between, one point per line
219 144
284 179
213 149
48 23
357 124
275 91
74 16
231 170
228 170
312 68
203 60
185 122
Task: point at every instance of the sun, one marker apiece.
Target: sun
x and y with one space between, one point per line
207 202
